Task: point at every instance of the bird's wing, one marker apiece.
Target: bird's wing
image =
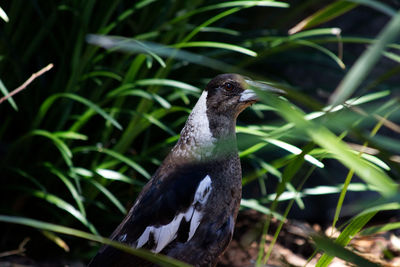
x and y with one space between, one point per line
170 208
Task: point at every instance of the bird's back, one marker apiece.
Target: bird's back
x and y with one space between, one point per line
191 220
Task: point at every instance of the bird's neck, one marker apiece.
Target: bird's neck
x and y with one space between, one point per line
206 136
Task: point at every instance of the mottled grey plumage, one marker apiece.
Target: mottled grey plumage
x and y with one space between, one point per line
189 207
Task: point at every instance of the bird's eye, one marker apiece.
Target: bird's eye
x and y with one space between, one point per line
228 86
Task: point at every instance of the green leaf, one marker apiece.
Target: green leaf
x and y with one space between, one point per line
3 15
392 56
56 239
380 228
50 101
365 62
168 82
115 155
366 171
242 4
62 204
252 149
61 146
109 195
295 150
155 258
114 175
226 46
255 205
70 135
158 123
102 73
344 238
314 33
326 139
130 46
210 21
328 13
334 250
220 30
377 5
5 92
70 186
323 50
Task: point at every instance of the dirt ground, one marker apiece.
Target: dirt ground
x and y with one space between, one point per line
293 246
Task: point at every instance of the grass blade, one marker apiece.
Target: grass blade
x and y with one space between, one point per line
56 239
365 62
323 50
332 248
326 139
295 150
109 195
168 82
380 228
344 238
226 46
3 15
156 258
118 156
70 186
61 146
62 204
328 13
114 175
5 92
242 4
131 46
50 101
377 5
255 205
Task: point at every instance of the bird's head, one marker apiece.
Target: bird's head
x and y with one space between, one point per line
229 94
213 118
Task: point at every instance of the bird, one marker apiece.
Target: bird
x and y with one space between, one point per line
188 209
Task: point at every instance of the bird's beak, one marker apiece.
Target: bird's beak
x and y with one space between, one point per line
250 95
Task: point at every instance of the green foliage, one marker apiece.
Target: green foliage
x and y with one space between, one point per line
80 142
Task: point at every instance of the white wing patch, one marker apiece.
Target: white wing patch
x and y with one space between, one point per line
164 234
201 196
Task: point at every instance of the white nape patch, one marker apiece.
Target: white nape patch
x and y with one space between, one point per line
196 134
164 234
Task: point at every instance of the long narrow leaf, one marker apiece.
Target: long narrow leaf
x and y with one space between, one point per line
5 92
70 186
330 12
168 82
156 258
62 204
243 4
333 249
226 46
61 146
364 64
344 238
326 139
50 101
118 156
109 195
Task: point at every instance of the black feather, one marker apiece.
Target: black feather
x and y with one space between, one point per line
164 199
